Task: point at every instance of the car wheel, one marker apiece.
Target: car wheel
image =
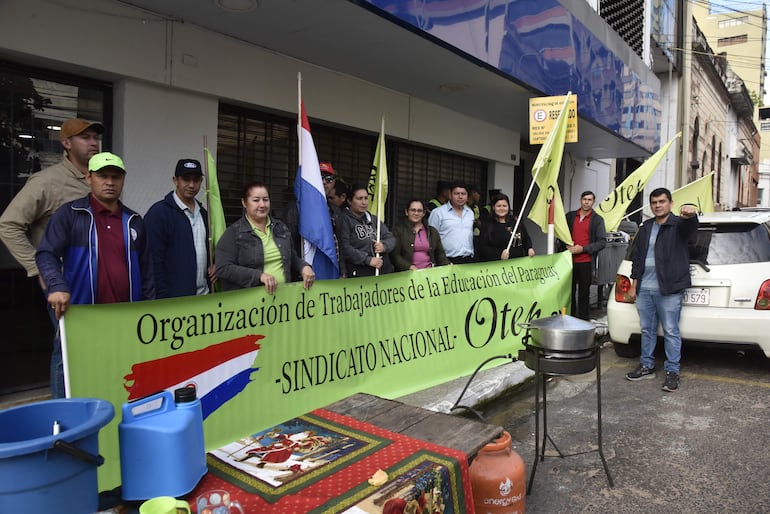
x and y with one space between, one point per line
631 349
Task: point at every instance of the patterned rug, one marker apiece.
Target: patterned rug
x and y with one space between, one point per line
324 462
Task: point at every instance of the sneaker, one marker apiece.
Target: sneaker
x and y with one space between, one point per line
641 373
672 382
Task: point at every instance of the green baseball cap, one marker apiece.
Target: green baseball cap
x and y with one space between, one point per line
105 160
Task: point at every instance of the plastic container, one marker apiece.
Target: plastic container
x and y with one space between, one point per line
497 478
43 472
162 452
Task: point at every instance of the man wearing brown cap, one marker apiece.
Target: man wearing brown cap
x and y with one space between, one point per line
95 249
24 221
178 230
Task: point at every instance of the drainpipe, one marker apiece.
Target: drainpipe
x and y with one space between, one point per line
685 87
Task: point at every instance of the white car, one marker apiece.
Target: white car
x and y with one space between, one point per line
728 304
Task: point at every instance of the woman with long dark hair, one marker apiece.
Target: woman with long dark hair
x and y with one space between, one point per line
496 233
364 254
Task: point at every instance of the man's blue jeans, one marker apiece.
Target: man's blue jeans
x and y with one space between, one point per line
57 363
666 308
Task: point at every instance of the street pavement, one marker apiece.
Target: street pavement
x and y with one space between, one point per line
703 448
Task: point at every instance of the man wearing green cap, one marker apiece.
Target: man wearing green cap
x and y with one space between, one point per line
95 249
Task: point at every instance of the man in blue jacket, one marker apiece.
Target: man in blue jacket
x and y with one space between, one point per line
94 249
178 230
660 272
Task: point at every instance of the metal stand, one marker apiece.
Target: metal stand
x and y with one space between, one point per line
540 383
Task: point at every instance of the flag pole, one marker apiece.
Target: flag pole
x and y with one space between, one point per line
379 180
299 118
521 212
379 189
299 155
208 202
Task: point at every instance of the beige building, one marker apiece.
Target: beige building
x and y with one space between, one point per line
723 135
741 37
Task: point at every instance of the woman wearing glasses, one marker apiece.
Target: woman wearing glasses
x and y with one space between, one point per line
418 245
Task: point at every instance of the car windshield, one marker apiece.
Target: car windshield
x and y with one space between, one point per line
731 243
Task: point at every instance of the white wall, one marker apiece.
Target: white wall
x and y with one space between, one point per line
155 126
501 176
585 177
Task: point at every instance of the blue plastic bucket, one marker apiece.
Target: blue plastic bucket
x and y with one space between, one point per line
43 472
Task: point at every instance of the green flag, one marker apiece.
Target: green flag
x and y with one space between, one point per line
614 207
378 179
545 172
217 223
699 193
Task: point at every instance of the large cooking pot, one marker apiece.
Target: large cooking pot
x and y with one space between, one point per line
561 333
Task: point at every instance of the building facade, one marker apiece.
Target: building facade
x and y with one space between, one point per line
740 37
724 138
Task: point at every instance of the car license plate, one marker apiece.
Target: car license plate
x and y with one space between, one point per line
696 296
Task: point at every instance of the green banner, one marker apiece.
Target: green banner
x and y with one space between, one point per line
258 360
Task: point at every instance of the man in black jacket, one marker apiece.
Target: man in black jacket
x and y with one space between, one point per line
178 230
660 271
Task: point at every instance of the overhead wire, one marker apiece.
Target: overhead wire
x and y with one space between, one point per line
751 9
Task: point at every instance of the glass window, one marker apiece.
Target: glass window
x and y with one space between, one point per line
732 40
731 243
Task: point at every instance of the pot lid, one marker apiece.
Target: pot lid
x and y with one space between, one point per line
562 322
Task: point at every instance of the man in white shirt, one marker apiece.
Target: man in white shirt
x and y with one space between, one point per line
454 222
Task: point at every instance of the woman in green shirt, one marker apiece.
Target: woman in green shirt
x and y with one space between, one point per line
257 249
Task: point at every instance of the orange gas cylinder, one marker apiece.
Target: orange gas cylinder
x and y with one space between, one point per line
497 479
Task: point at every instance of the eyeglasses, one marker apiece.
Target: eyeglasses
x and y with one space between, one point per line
416 211
328 178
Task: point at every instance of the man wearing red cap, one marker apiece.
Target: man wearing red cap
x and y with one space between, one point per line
24 221
328 176
291 214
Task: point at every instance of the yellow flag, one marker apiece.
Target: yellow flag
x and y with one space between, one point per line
614 207
546 174
217 223
378 179
699 193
